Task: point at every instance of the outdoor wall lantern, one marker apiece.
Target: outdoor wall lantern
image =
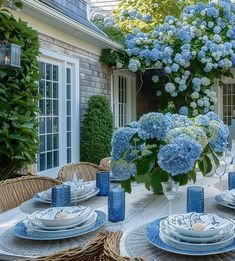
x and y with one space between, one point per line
9 54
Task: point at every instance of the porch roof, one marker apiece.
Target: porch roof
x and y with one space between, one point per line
57 16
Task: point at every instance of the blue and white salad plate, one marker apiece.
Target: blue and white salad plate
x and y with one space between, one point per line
223 202
157 238
24 230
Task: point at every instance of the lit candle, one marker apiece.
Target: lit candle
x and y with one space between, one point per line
7 60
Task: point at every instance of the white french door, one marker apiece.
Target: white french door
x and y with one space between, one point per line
58 115
123 99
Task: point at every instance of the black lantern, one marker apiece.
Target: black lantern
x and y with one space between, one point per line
9 54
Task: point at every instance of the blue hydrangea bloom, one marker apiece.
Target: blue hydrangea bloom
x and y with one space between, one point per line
123 170
179 157
213 116
202 120
178 120
154 125
183 110
121 141
218 135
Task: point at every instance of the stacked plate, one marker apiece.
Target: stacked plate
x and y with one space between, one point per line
80 191
227 198
59 223
192 234
194 231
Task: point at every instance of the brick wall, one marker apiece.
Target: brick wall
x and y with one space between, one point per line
95 78
103 5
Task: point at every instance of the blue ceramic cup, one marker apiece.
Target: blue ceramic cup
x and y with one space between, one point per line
116 204
195 199
103 183
60 196
231 180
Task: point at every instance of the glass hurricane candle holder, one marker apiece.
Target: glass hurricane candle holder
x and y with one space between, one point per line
195 199
116 204
103 182
60 196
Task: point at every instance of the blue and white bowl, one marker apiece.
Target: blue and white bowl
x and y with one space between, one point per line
62 216
197 224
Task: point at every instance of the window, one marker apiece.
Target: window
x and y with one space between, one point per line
58 114
228 103
123 99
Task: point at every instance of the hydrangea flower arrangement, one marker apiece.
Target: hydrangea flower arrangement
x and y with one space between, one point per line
162 145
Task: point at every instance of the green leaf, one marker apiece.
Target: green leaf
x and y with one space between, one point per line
126 185
182 179
209 165
192 175
157 176
144 165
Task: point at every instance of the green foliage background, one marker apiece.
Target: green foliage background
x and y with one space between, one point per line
163 9
97 130
18 98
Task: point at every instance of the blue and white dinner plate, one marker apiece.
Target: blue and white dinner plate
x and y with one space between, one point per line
153 236
222 202
21 230
87 196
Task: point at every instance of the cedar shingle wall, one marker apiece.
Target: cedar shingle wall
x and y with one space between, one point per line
95 78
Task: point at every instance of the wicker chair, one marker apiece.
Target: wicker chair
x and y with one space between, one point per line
15 191
105 163
85 170
112 246
103 247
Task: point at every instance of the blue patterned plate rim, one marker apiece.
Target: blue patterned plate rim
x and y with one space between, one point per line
94 193
222 202
20 230
152 235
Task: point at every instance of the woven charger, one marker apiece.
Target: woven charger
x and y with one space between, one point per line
34 248
136 244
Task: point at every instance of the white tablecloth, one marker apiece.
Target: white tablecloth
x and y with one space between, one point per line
142 207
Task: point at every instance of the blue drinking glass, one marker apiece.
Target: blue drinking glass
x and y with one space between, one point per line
195 199
231 180
60 196
103 183
116 204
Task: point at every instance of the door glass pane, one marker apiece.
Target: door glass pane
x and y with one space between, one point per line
68 114
122 101
48 156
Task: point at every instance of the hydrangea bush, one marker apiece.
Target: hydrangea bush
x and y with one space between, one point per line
194 51
160 146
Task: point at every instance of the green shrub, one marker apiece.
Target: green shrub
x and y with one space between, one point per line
97 130
18 98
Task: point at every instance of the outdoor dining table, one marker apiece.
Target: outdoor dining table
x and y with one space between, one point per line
142 207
